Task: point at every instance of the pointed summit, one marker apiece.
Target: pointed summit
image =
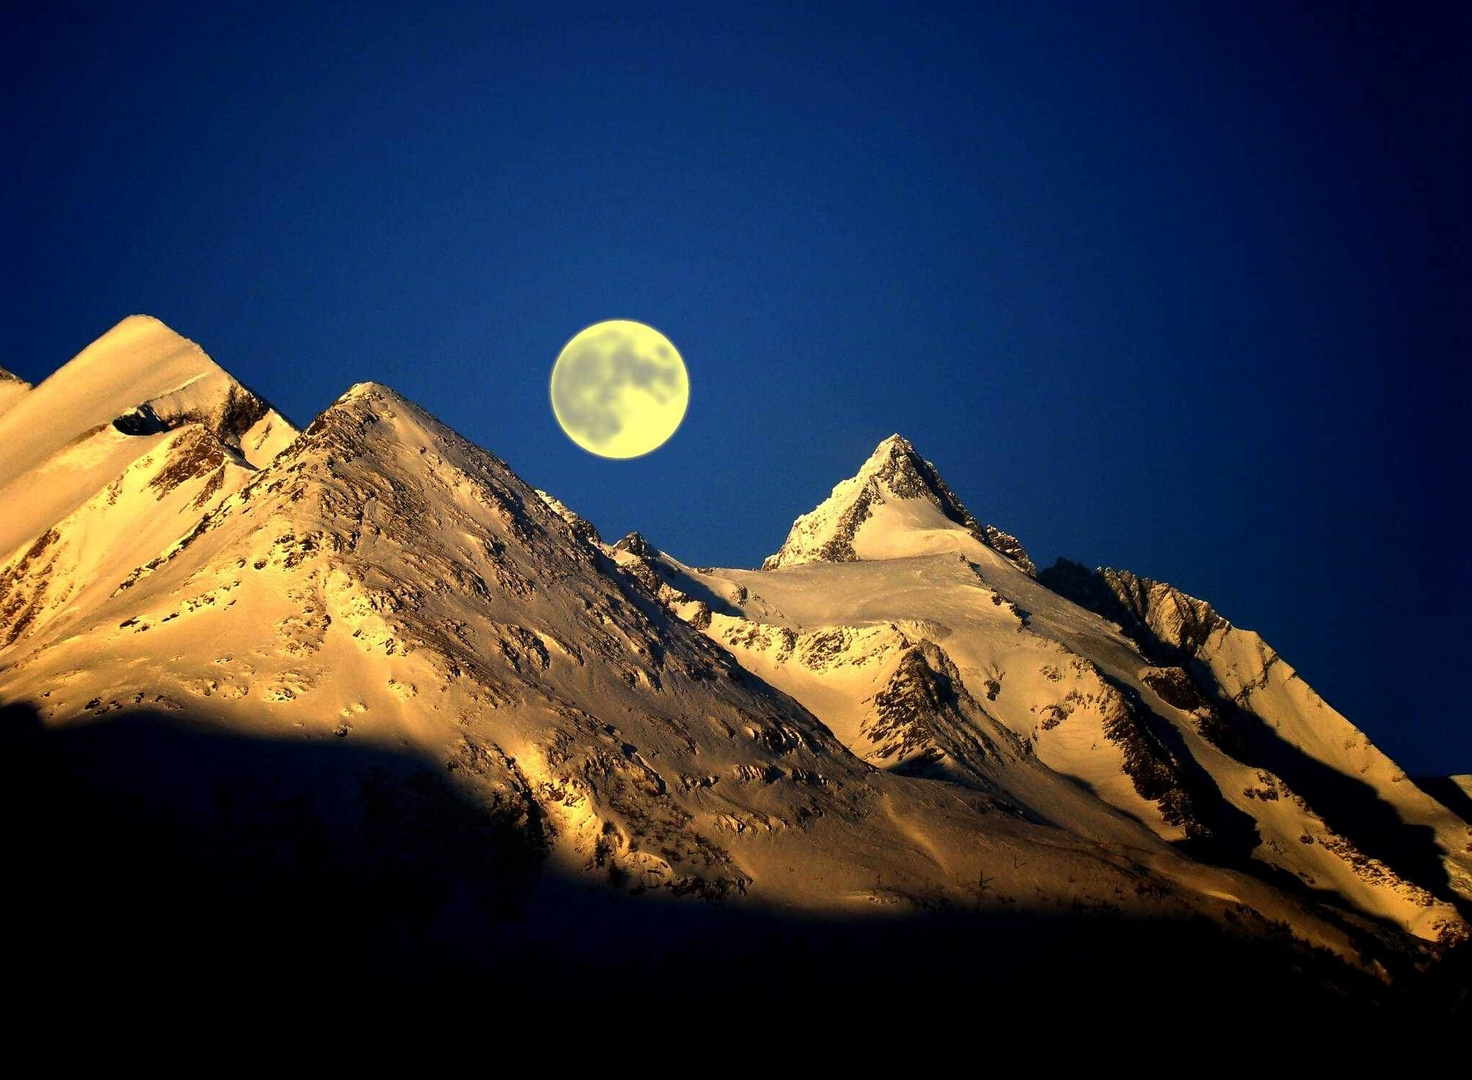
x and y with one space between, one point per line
138 389
895 506
147 377
635 544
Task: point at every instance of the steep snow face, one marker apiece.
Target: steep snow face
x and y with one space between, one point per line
1265 715
895 505
835 637
12 389
108 412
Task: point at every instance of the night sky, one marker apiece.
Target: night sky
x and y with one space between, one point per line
1180 288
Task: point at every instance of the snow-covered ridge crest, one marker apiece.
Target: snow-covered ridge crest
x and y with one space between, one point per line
146 376
895 505
911 722
73 435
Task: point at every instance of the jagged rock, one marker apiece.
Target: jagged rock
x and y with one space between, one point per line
636 545
581 526
1165 621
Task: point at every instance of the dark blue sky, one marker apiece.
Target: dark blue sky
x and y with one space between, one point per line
1181 288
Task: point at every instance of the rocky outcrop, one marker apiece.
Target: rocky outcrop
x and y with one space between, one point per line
584 529
1169 624
227 414
926 723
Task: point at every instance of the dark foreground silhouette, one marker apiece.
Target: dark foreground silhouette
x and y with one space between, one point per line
146 855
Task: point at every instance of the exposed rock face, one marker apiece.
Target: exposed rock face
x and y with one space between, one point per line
636 545
1164 620
1175 620
894 472
227 415
1007 544
1156 773
926 723
581 526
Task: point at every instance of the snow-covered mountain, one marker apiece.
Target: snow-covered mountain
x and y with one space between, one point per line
370 658
895 506
91 440
941 664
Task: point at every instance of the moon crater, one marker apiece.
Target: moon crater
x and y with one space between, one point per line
619 389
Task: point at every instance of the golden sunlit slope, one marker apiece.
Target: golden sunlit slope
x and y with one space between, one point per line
133 389
385 579
833 746
901 629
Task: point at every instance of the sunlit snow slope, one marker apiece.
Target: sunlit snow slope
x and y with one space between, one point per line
105 462
138 388
901 715
931 648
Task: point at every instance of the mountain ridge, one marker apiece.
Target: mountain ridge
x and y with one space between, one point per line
930 725
138 385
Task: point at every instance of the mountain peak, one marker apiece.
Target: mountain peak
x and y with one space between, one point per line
382 637
367 402
149 338
635 544
396 424
360 397
897 456
147 378
113 404
371 389
895 506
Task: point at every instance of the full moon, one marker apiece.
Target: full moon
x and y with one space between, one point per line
619 389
